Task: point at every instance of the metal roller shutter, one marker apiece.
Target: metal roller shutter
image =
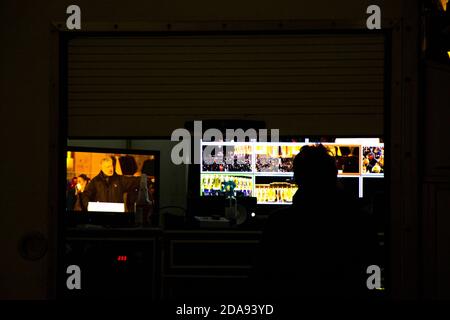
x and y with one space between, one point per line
150 85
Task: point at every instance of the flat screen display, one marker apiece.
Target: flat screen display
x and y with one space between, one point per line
265 169
98 179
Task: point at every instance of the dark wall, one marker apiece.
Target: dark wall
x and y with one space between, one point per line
436 181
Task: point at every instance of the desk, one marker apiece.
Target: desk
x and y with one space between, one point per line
207 263
160 264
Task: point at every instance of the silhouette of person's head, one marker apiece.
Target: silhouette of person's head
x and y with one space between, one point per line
128 165
148 167
315 169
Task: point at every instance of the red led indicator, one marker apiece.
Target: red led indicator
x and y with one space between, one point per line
122 258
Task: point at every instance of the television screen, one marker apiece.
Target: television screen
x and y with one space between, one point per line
265 169
373 159
111 180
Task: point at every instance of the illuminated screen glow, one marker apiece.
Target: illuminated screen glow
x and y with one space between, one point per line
264 169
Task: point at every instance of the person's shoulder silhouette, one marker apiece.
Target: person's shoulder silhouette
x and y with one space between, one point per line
313 248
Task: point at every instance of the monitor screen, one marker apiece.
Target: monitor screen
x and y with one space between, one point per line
109 180
265 169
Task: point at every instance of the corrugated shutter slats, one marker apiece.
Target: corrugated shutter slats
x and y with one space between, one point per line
151 85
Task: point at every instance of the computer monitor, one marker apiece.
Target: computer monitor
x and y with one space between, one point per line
108 180
265 169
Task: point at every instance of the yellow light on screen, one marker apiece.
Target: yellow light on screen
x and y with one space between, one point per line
69 161
448 52
444 4
261 150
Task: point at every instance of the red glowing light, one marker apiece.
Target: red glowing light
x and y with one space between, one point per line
122 258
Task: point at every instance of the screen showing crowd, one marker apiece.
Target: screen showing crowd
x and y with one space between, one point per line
265 170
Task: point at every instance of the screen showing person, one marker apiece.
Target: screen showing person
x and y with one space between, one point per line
103 176
108 186
373 159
